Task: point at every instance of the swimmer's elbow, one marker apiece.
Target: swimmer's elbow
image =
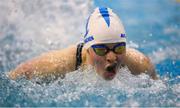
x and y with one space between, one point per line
154 76
150 69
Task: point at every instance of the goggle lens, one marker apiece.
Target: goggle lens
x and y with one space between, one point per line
119 49
102 50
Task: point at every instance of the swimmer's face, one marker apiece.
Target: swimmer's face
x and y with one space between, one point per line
106 57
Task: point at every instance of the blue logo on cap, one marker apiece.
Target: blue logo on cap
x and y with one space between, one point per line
90 38
105 15
122 35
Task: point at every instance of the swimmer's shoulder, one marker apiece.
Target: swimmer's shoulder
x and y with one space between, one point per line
131 52
136 59
138 62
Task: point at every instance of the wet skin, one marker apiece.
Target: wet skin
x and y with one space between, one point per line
60 62
106 66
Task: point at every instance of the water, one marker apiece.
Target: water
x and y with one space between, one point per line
28 28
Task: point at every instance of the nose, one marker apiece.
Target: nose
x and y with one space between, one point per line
111 57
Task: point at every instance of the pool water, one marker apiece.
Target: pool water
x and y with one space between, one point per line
29 28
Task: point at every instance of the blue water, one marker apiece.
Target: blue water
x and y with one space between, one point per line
29 28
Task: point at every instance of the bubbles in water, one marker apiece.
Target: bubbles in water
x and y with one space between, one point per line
86 88
29 28
133 45
162 54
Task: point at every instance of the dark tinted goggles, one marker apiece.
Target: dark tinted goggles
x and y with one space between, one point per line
101 49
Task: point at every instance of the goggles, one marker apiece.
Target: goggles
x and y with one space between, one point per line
102 50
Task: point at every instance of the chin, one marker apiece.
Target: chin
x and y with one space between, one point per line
109 76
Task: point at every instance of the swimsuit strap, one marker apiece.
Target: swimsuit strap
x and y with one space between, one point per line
79 55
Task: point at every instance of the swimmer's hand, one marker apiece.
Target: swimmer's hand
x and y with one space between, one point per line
55 63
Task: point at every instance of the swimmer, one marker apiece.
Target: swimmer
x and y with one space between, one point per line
103 48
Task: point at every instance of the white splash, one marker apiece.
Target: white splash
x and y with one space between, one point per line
162 54
29 28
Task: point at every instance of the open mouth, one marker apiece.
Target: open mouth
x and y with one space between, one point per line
111 70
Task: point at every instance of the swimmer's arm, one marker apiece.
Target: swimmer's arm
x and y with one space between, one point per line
53 63
138 63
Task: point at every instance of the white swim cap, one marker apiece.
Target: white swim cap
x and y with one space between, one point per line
103 26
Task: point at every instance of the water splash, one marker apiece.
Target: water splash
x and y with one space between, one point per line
86 88
29 28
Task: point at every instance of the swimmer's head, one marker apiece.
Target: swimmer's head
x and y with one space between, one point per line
105 42
103 26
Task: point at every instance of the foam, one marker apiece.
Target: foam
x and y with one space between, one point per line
164 53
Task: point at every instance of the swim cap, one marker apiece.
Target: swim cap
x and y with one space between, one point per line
103 26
